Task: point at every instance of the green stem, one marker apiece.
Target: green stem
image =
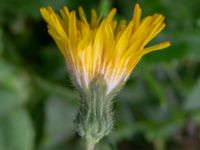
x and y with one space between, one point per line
90 143
90 146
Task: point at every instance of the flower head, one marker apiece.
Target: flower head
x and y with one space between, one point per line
100 56
102 47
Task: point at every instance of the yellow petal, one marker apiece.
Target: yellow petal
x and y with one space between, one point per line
111 15
73 29
82 15
155 47
137 16
94 19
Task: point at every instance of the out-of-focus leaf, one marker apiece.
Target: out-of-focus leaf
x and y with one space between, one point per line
191 41
8 101
162 130
125 131
59 125
192 101
16 131
15 80
64 92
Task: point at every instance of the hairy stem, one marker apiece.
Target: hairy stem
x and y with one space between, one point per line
90 145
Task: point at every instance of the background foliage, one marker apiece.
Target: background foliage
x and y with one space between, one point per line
159 108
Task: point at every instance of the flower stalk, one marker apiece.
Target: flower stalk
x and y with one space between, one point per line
90 146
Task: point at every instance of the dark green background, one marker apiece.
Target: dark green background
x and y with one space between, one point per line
158 109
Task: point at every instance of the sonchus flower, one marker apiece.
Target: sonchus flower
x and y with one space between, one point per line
100 56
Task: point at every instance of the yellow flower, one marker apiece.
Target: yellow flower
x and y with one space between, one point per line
102 47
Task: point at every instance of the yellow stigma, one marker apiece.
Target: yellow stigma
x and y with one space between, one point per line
102 47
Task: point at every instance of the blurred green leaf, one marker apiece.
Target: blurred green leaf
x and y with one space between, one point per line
59 125
15 80
192 102
16 131
64 92
8 102
163 130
